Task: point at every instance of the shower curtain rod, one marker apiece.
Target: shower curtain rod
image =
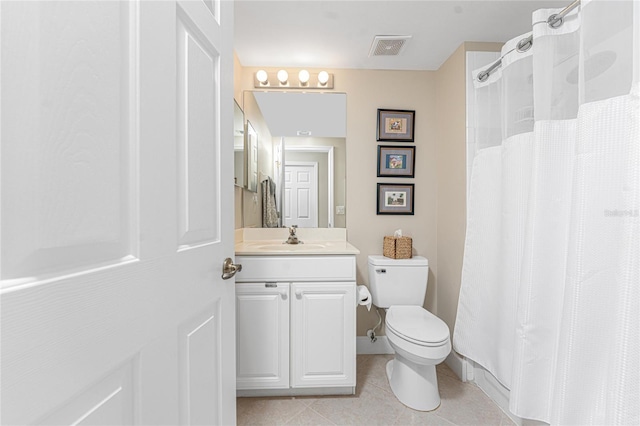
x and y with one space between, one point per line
554 21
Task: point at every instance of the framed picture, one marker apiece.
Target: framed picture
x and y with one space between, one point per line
395 198
396 161
395 125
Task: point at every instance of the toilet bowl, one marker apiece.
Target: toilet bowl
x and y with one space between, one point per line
421 341
419 338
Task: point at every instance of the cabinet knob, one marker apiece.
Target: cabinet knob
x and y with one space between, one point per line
283 294
299 294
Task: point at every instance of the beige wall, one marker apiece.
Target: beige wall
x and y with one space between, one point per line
451 176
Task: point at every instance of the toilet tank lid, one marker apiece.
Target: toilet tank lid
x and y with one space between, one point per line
379 260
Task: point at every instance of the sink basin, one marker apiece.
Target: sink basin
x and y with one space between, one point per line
291 247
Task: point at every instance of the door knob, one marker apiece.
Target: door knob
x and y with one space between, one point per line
229 269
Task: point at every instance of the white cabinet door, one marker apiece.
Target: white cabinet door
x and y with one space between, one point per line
323 342
262 324
116 212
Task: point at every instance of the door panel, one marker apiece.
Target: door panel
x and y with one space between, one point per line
104 318
197 105
109 402
301 194
200 368
70 137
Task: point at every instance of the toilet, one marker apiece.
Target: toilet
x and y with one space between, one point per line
419 338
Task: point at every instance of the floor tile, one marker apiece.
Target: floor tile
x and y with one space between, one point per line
466 404
445 370
412 417
372 369
267 411
375 404
310 417
371 406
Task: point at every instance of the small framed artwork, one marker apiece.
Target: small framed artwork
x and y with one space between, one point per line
395 125
395 198
396 161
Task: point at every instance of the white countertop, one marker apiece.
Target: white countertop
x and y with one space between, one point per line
270 241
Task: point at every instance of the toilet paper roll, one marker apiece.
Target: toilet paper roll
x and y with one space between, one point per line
363 296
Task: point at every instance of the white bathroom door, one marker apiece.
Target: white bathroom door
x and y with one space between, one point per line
301 194
116 213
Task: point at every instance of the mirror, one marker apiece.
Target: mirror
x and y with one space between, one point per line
238 145
252 158
308 138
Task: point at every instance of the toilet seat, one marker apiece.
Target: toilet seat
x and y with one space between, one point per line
417 325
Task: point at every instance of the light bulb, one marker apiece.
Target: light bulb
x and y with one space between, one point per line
303 76
323 77
283 76
262 76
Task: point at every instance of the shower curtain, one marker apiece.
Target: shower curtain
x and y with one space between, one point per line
550 294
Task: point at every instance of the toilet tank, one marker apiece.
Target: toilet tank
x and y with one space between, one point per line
398 281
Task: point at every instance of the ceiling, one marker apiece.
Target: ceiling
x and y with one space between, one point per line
339 34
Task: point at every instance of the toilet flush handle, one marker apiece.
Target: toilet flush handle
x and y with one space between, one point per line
381 271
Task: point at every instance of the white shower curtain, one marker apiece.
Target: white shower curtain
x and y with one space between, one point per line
550 295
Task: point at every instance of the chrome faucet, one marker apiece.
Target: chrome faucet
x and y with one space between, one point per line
293 238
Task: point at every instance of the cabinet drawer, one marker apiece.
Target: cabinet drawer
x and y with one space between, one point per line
296 268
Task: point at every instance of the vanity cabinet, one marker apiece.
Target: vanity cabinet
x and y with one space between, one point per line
296 327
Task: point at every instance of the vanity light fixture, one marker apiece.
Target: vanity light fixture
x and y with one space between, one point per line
323 78
304 76
263 79
283 77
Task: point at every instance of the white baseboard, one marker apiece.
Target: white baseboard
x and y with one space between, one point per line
499 394
364 346
459 365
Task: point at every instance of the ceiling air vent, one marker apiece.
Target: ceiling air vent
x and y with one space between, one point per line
388 45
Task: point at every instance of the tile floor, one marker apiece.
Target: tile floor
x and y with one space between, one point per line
374 404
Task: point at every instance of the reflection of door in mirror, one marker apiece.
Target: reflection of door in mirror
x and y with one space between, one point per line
312 127
238 145
328 154
301 194
252 158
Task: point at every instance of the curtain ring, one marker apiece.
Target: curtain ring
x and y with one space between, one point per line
555 21
483 76
524 44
